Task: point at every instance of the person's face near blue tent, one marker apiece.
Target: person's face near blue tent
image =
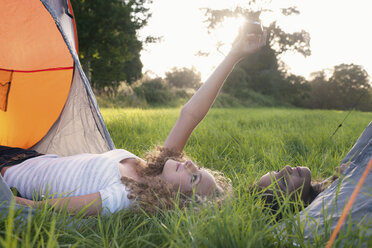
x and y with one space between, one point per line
289 180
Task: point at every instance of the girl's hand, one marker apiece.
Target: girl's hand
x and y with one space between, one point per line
246 44
340 170
24 202
197 107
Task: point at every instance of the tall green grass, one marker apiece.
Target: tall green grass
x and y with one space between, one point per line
243 144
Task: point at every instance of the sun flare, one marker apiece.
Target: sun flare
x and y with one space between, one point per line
227 32
331 40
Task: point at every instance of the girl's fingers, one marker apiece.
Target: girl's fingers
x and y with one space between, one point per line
253 38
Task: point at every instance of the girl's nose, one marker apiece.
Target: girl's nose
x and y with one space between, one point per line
288 169
190 166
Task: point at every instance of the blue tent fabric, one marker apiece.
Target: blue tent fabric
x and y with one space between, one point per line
327 208
5 201
5 193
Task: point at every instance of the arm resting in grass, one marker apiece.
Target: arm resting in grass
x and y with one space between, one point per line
327 182
92 203
197 107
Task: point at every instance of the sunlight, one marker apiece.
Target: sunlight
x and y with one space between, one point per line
331 40
230 28
227 32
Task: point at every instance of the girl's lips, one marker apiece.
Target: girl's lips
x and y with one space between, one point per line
299 171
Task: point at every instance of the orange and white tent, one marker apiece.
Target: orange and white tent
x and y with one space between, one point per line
46 102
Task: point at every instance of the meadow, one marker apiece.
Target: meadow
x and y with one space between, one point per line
243 143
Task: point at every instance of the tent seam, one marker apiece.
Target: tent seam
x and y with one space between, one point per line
82 74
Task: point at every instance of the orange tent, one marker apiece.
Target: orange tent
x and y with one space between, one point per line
46 102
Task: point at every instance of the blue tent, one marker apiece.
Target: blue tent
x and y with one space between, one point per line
325 211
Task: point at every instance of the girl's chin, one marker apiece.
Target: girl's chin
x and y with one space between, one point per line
306 173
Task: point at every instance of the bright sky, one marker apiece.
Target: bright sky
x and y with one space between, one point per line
339 30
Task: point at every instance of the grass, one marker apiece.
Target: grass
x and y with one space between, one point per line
244 144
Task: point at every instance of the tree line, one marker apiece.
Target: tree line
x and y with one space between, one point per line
109 50
345 86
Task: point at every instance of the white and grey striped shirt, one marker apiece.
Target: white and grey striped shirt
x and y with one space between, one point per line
81 174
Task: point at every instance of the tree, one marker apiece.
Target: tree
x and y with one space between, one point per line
349 82
295 90
109 49
320 94
264 70
183 78
347 87
154 91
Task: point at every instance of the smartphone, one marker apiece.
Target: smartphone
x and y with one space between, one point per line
253 27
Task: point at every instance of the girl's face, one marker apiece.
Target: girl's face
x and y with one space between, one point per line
289 180
186 176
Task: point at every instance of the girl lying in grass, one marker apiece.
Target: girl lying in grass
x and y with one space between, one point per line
118 179
293 182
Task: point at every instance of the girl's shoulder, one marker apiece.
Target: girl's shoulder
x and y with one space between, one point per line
119 154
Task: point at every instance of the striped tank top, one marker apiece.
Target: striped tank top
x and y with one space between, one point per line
53 176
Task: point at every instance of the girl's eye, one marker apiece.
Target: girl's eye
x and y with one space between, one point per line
283 181
193 178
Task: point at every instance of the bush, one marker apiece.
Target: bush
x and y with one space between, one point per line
154 91
251 99
183 78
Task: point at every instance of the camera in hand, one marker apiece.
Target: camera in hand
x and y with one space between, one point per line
253 27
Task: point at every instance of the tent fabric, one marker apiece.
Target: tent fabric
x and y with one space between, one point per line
50 105
4 92
76 131
5 199
326 209
37 104
21 25
100 140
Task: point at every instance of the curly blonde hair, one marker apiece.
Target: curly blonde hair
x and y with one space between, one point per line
154 194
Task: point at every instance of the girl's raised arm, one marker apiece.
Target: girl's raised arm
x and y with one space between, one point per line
198 106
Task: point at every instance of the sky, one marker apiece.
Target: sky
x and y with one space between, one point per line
339 31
